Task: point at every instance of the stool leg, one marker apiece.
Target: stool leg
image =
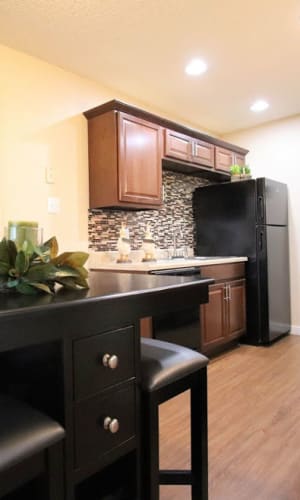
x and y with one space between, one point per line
55 472
150 432
199 452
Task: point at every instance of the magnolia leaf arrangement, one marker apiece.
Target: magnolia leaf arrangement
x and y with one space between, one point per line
31 269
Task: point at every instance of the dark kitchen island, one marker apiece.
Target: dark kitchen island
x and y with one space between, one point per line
75 356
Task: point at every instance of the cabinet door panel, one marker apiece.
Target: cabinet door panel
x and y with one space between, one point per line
140 170
236 308
177 145
239 159
224 158
203 153
213 318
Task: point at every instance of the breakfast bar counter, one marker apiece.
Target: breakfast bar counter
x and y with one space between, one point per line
75 356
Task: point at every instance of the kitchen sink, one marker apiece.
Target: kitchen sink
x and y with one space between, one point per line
199 257
187 259
210 258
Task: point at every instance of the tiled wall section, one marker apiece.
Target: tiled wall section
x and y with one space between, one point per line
174 217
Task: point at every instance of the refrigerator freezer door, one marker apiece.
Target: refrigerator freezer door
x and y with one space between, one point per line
225 218
272 202
273 276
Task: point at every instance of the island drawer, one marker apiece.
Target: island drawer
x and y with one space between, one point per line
93 435
103 360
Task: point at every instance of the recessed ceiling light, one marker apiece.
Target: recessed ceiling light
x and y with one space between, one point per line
196 67
259 105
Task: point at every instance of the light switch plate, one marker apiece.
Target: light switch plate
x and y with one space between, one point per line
49 174
53 205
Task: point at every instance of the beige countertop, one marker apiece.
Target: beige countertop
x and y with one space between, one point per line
145 267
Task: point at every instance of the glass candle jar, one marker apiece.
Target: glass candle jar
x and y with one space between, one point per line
20 231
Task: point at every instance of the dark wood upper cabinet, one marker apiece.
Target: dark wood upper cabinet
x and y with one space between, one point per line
239 159
124 161
224 158
139 159
203 153
183 147
128 148
177 145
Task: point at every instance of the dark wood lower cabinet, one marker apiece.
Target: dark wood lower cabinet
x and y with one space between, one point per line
236 307
213 319
223 318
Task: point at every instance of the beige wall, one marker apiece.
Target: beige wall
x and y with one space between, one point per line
275 153
41 124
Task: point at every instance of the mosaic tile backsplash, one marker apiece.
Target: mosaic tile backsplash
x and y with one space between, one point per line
173 219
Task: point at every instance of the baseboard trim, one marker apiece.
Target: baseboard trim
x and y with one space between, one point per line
295 330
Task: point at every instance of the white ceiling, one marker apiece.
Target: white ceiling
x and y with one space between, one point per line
140 47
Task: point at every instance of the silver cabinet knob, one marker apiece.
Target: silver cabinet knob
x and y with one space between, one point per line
111 424
110 361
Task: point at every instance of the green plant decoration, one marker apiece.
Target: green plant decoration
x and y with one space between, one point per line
246 170
235 170
32 269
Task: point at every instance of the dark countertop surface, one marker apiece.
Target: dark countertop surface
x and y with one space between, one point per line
103 287
113 299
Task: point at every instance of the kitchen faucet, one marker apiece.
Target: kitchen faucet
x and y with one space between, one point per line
178 253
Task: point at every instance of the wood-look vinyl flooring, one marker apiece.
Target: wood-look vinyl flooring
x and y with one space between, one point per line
254 426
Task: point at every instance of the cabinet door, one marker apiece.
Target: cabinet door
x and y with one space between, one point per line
177 145
139 161
146 327
203 153
213 318
236 308
224 158
239 159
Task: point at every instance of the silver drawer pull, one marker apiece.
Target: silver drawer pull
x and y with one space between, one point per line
111 424
110 361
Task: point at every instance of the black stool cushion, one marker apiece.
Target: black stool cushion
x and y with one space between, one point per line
164 363
24 431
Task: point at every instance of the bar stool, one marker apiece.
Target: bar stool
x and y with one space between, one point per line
166 371
30 447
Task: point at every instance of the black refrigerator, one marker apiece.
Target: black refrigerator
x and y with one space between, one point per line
250 218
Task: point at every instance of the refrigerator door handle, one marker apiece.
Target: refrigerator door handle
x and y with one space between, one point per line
260 208
261 241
